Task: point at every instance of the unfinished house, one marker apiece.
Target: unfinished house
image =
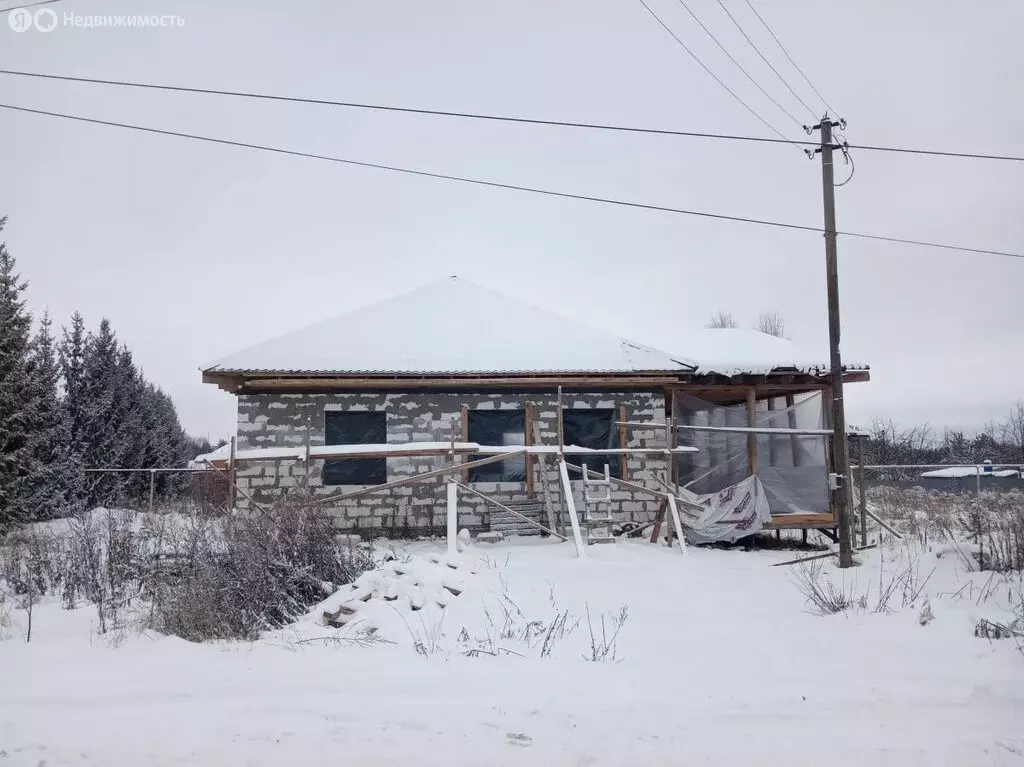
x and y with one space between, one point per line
455 373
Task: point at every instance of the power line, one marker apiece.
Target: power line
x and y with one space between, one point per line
696 58
499 185
28 5
494 118
738 65
791 61
763 57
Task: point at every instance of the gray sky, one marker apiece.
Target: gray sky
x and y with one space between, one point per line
196 250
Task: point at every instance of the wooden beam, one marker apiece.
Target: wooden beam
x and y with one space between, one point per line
464 416
794 441
511 511
413 478
659 519
528 441
772 458
826 555
623 441
314 383
570 504
752 422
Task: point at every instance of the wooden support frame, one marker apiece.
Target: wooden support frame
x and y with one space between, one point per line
510 510
413 478
794 440
570 504
623 441
752 423
528 441
772 451
452 517
233 475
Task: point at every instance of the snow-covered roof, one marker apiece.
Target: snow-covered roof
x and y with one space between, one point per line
455 326
954 472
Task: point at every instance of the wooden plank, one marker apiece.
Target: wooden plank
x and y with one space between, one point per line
560 426
413 478
738 429
452 511
528 441
659 519
794 443
676 523
233 475
752 438
826 555
464 416
511 511
797 521
623 441
772 452
570 504
341 383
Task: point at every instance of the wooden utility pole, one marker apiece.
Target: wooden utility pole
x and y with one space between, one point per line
840 454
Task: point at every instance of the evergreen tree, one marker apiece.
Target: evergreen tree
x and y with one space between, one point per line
71 352
48 491
99 414
15 416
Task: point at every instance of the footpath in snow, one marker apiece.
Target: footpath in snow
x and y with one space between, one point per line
717 661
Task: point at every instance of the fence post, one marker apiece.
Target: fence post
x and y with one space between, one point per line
152 488
233 476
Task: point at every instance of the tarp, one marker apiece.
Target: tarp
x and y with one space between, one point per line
728 515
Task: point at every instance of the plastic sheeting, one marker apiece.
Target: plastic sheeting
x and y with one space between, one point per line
792 468
728 515
498 427
348 428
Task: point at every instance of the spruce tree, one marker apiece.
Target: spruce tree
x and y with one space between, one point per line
99 414
15 400
48 490
71 352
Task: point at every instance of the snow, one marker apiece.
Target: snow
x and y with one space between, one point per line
719 662
456 326
427 448
969 471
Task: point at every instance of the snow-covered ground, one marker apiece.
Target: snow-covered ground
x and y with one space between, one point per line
719 662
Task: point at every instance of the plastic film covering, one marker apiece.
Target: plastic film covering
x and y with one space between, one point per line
793 469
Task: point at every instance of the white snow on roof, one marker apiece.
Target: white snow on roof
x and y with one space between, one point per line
456 326
954 472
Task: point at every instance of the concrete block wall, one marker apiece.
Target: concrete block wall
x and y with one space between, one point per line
282 420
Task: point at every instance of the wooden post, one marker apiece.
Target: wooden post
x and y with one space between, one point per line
676 523
233 476
772 458
863 507
465 433
794 441
309 431
152 489
623 441
570 503
560 425
752 421
528 441
453 518
659 519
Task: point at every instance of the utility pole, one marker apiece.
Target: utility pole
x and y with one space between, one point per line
840 453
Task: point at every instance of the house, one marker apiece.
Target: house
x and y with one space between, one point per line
457 365
971 479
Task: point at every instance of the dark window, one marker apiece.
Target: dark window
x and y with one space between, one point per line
355 429
498 427
596 429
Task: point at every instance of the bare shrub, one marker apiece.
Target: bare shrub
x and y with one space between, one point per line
819 592
722 320
603 644
772 324
251 572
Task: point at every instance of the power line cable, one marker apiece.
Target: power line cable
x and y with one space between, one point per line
28 5
704 66
494 118
738 65
499 185
791 61
764 58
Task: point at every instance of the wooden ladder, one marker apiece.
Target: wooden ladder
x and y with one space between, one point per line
599 493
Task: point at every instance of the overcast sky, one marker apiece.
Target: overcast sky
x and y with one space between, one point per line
195 250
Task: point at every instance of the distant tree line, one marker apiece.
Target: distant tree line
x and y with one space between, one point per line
999 442
73 403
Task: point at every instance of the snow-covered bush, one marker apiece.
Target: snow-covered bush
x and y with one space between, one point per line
235 577
198 577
